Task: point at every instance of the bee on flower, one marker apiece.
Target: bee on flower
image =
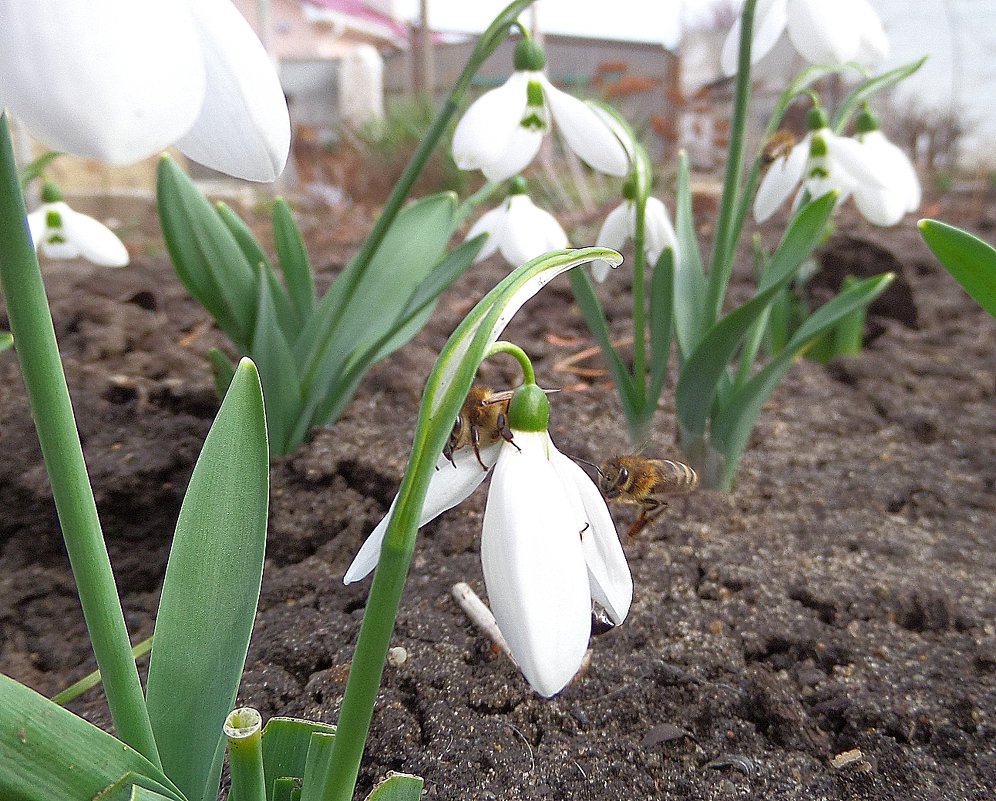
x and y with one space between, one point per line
501 132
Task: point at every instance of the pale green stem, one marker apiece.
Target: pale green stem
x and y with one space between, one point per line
48 395
528 374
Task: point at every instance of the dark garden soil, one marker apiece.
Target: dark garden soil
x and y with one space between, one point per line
842 597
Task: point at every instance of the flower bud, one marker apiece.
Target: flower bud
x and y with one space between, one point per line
529 409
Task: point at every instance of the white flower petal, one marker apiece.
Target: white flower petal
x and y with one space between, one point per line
449 486
529 231
823 32
534 566
483 132
613 234
851 163
782 177
585 132
115 80
491 223
521 148
902 177
94 240
243 128
769 22
873 44
38 223
610 580
659 232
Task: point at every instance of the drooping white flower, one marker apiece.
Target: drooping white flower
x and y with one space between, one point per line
620 226
519 229
501 132
120 80
900 194
61 233
823 32
820 162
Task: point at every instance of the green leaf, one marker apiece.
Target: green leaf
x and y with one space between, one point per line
689 274
36 169
286 789
47 753
290 322
211 590
285 747
207 258
971 262
281 386
732 426
702 373
316 765
222 370
594 317
398 787
293 259
139 793
869 87
661 316
6 340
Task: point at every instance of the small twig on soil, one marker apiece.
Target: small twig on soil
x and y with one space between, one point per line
480 615
529 747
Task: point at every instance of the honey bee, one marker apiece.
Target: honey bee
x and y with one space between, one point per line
779 145
482 421
642 482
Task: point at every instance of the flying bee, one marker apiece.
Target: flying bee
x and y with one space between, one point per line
779 145
482 421
643 482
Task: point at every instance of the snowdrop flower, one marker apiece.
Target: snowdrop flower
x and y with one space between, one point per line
502 130
822 162
822 32
120 80
900 195
518 228
61 233
620 226
548 549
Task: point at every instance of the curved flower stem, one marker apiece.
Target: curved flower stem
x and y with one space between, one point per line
639 297
724 246
528 374
48 395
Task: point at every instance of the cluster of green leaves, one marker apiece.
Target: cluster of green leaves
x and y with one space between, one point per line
971 262
311 352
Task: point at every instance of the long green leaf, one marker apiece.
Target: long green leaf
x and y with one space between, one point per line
207 258
47 752
398 787
285 747
702 372
732 426
869 87
293 258
211 590
689 274
316 765
971 262
661 317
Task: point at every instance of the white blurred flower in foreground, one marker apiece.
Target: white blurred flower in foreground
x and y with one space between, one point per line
120 80
901 194
548 549
822 162
502 130
518 228
823 32
61 233
620 226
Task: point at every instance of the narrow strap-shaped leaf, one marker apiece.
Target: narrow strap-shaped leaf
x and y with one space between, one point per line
206 256
591 310
211 590
869 87
281 385
702 372
732 426
689 274
285 747
316 765
47 752
971 262
398 787
290 321
661 317
293 258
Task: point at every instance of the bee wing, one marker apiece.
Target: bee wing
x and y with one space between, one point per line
506 395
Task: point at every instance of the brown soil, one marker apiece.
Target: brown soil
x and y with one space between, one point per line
842 597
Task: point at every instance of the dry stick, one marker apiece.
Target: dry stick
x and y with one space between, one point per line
480 615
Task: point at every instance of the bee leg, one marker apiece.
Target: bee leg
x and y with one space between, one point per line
448 453
586 527
475 441
649 511
506 432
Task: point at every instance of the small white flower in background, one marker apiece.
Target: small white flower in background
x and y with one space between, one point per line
518 228
620 226
502 130
822 162
548 548
823 32
120 80
901 194
61 233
